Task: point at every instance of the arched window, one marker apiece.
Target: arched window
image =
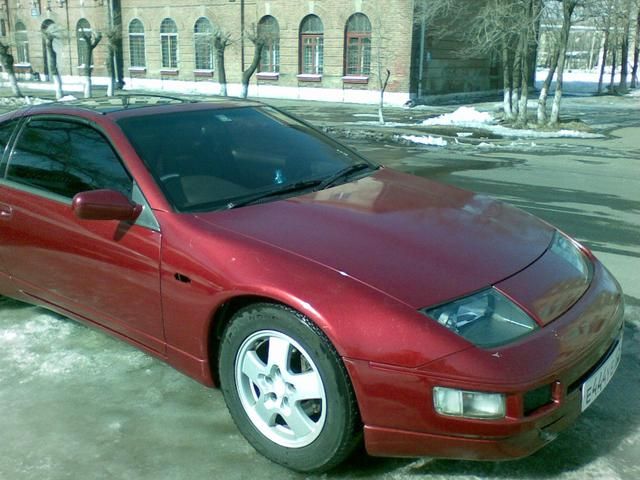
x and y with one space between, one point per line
311 45
22 43
136 44
269 30
203 44
357 45
169 43
83 27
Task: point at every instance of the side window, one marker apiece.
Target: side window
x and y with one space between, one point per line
66 158
6 129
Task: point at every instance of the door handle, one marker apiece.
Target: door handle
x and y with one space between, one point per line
6 212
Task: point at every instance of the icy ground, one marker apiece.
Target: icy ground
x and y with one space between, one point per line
77 404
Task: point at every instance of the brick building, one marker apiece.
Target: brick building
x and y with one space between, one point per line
317 49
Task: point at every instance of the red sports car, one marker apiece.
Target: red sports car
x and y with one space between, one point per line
330 298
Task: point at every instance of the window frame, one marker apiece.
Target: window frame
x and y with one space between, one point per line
270 60
169 58
314 41
360 69
203 51
21 36
137 39
82 47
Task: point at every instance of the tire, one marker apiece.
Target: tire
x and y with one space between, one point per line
287 389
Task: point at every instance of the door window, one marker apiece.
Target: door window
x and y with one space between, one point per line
66 158
6 130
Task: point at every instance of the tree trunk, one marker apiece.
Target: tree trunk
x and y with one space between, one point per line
383 88
614 63
87 77
516 74
603 62
506 80
246 75
222 74
523 109
92 42
527 45
624 60
544 91
53 67
568 6
7 62
111 71
636 54
592 51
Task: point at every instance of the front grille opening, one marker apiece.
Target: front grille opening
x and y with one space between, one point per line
578 383
537 398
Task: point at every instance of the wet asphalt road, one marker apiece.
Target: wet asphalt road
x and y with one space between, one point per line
77 404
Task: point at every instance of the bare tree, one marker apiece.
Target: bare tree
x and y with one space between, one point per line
510 28
7 62
568 7
221 40
544 90
50 34
259 38
91 39
603 59
381 57
528 35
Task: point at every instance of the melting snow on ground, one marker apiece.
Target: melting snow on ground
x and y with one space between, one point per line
425 140
469 117
462 117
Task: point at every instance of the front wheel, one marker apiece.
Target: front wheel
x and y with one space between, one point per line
287 389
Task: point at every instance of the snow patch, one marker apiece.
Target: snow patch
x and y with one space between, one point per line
462 116
44 345
469 117
428 140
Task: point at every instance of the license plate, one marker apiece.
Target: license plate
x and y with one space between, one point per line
597 382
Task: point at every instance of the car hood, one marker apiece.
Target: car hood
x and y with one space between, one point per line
413 239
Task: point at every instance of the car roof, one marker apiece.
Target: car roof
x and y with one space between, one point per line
122 104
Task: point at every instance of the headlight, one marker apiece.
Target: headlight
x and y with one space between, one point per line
460 403
567 250
487 319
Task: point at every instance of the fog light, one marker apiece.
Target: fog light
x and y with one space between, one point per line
460 403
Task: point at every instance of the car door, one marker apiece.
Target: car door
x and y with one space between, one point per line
105 271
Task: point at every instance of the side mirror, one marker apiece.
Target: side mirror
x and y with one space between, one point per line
104 205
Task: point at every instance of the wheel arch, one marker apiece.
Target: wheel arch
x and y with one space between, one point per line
226 310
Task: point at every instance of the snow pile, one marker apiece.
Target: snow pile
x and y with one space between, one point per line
463 116
428 140
469 117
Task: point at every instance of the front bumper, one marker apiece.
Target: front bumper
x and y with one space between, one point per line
396 403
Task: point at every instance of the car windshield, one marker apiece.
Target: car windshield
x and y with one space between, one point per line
216 158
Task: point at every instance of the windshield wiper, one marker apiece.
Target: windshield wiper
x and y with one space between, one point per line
344 173
294 187
318 184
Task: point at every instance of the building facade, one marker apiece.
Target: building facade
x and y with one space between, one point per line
315 49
